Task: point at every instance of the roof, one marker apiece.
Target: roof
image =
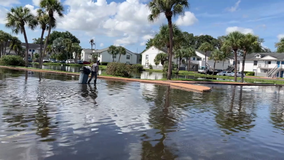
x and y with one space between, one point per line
164 49
252 57
104 49
32 45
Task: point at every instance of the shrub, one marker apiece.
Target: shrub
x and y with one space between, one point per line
136 68
12 60
150 66
249 73
118 69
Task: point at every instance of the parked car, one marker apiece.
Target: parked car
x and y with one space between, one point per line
79 62
224 73
239 74
86 62
202 70
45 60
70 61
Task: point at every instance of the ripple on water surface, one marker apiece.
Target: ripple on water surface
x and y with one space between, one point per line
57 118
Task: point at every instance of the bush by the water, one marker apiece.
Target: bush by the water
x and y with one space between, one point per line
118 69
122 69
150 66
12 60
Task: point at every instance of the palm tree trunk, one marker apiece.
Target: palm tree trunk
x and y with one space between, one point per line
119 57
243 66
11 47
41 55
236 65
27 47
214 68
47 37
169 17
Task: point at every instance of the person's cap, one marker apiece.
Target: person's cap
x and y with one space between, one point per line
98 61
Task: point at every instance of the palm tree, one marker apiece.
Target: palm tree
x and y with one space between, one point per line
14 40
216 55
121 51
68 47
206 47
250 43
113 51
17 18
161 58
169 8
92 42
43 20
76 48
51 7
189 52
233 42
280 46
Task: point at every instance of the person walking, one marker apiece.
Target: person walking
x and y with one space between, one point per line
94 72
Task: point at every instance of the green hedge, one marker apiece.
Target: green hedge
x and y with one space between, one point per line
122 69
118 69
12 60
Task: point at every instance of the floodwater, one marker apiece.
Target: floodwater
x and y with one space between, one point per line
52 117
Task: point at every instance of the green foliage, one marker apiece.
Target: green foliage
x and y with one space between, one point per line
161 58
118 69
12 60
122 69
249 73
113 50
280 46
64 35
150 66
36 55
135 68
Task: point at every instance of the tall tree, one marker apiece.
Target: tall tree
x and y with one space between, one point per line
43 20
233 42
216 56
92 42
13 41
189 52
51 7
169 8
17 18
280 46
76 48
250 43
113 51
206 47
121 51
161 58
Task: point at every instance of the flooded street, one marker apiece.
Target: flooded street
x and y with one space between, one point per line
52 117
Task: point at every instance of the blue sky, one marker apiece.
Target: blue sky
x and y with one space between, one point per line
125 23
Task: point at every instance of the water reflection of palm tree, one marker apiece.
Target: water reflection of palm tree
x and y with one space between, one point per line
234 120
160 118
277 111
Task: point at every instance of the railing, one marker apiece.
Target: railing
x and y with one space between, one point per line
275 72
269 73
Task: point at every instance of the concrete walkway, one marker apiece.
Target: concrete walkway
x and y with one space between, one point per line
184 86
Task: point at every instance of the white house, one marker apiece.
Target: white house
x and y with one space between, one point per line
197 61
104 56
265 64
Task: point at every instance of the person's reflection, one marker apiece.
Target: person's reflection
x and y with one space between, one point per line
26 76
233 98
93 92
240 98
39 76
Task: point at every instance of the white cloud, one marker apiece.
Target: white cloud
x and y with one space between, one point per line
127 20
36 2
187 19
280 36
8 3
32 9
101 45
3 14
235 7
239 29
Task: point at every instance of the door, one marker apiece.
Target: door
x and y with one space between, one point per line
281 75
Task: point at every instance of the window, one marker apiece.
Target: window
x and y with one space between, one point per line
193 58
147 56
255 63
127 56
257 56
269 62
113 56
